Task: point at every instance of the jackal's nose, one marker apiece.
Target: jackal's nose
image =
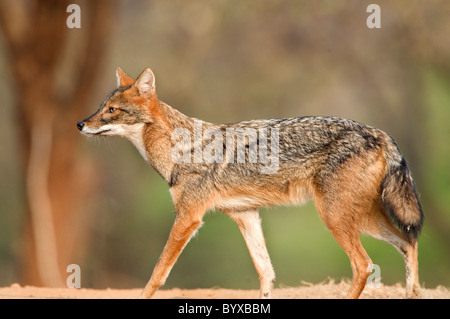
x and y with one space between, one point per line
80 125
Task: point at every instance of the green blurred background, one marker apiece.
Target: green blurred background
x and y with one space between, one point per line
227 61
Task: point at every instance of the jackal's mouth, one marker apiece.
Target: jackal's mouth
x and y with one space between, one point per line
87 131
101 132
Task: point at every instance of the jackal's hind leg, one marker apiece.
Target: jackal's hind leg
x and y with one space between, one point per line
342 223
249 224
412 271
383 229
361 263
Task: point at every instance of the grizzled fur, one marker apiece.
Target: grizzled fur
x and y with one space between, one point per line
355 174
312 149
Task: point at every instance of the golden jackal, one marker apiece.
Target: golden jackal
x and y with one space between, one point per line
355 173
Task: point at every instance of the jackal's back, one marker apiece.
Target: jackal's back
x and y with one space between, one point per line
313 144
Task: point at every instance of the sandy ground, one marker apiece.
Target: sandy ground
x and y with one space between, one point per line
325 290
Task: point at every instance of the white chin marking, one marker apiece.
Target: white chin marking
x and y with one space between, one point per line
112 129
132 132
99 131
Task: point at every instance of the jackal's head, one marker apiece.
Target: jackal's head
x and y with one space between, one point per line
126 108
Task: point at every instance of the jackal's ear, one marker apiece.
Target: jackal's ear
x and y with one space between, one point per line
123 79
145 83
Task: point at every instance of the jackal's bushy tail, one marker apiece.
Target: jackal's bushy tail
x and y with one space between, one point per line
398 194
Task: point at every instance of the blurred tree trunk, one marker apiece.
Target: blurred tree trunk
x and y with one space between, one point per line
55 180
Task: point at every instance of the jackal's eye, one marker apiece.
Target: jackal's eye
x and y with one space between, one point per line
111 109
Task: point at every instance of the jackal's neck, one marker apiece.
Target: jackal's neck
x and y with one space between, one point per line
157 137
173 118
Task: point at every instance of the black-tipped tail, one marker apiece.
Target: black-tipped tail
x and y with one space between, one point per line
400 200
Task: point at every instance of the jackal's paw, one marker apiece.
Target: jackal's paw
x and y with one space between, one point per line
141 296
415 294
265 295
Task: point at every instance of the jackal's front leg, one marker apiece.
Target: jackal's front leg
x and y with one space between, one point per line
250 227
182 230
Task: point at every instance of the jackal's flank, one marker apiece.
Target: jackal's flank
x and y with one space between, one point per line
355 174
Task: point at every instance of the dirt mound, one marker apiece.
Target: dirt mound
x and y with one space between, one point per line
324 290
